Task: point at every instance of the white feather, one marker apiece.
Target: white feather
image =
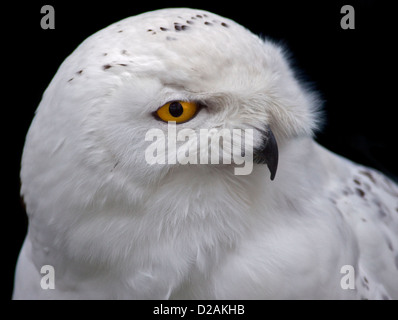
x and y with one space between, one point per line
114 227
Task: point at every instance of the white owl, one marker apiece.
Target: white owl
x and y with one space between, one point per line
113 226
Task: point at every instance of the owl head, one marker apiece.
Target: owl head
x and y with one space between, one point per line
119 92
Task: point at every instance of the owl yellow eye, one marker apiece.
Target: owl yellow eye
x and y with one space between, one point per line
178 111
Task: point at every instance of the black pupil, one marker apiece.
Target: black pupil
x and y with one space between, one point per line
176 109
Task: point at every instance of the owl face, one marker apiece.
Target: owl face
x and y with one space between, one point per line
197 69
116 96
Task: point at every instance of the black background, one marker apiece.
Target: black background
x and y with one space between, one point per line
354 71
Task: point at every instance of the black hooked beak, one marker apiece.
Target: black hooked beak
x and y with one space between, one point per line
267 153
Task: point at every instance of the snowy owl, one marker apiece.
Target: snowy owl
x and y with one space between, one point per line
106 223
